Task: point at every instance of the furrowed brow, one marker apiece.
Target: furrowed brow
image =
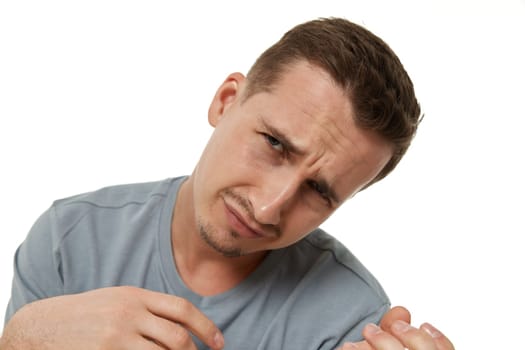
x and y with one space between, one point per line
330 193
292 148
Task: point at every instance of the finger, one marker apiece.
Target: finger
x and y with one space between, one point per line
412 337
181 311
167 333
381 340
395 313
362 345
442 342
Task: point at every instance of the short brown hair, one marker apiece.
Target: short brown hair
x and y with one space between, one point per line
362 64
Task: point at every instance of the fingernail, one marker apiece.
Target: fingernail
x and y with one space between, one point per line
372 328
401 326
219 340
434 333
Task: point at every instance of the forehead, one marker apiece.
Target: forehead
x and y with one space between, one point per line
307 97
316 115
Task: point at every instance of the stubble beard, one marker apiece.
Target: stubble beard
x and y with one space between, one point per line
209 235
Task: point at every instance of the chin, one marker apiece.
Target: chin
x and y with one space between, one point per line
212 238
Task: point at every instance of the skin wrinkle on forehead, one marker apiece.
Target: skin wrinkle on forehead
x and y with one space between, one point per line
320 112
310 150
331 143
318 152
324 128
336 136
328 121
297 151
329 149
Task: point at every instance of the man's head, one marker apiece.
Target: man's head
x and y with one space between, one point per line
322 114
364 66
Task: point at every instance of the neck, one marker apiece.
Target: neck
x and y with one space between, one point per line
204 270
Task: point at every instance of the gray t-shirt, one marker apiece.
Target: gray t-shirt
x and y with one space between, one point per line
312 295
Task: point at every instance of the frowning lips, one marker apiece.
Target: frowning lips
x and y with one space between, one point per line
244 225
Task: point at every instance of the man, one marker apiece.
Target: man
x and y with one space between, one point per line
231 256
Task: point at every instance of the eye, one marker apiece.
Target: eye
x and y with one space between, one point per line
274 143
320 190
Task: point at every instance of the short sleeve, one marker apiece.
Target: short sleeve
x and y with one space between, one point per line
355 333
37 267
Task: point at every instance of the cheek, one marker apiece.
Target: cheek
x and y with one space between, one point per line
300 221
231 161
248 156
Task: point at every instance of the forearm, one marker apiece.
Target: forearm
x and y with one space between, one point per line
14 336
133 318
7 344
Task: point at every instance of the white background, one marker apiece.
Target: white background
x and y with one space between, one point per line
95 93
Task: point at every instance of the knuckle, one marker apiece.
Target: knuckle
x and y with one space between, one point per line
180 337
419 339
183 306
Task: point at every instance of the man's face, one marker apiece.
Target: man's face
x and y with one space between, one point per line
280 162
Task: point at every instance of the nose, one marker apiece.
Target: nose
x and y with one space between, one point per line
273 197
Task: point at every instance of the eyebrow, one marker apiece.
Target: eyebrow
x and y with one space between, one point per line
292 148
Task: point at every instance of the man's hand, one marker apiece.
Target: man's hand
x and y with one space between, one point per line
396 333
110 318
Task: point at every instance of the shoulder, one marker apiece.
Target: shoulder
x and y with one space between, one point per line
334 276
108 212
109 200
118 195
106 237
332 288
334 256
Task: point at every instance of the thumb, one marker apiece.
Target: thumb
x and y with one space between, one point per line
394 314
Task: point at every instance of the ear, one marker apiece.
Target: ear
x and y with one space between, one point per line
226 95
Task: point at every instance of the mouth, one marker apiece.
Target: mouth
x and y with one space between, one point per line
239 224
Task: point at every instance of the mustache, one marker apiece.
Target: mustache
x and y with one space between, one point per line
248 209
